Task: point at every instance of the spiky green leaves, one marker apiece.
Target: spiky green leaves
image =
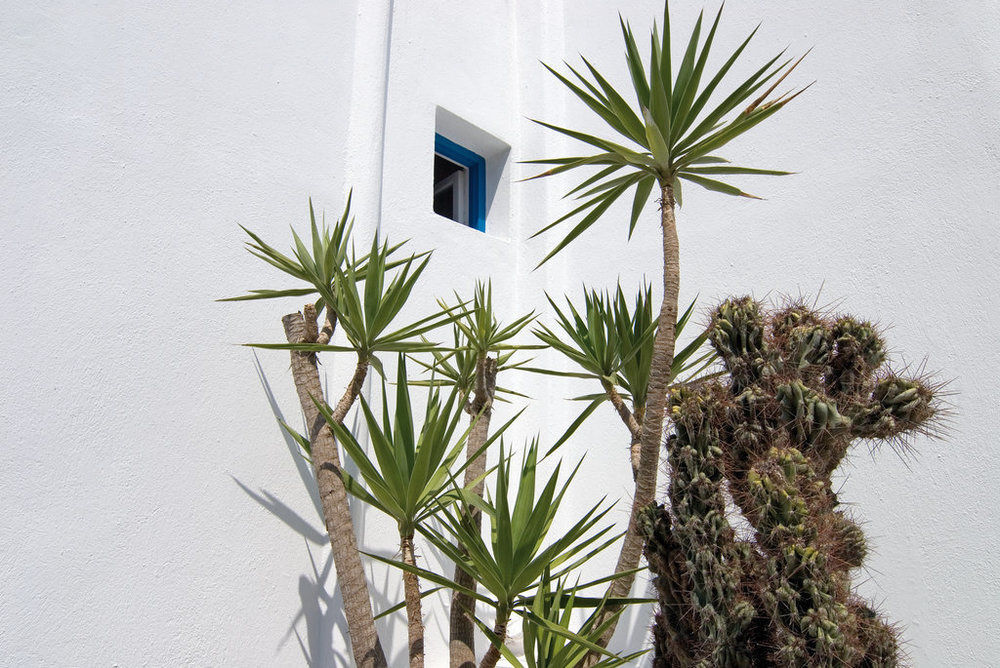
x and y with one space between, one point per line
316 265
483 332
548 618
366 315
614 345
477 333
367 295
612 342
413 466
511 562
675 131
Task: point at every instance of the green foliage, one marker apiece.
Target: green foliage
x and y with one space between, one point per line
316 265
414 465
674 132
476 334
367 294
518 553
613 344
546 645
800 388
410 467
365 316
480 328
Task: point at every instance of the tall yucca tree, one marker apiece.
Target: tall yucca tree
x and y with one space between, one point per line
483 348
364 296
510 564
413 469
675 131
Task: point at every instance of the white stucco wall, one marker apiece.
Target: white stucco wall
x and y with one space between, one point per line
152 514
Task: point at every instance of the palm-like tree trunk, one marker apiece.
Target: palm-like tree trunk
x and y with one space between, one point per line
462 641
500 631
651 436
365 644
633 422
411 590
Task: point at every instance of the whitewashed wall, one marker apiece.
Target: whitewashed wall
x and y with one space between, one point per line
152 514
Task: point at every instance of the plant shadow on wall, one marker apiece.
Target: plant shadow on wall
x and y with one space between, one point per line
750 443
322 606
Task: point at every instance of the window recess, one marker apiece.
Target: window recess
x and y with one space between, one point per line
459 183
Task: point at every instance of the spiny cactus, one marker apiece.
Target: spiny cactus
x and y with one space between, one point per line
762 441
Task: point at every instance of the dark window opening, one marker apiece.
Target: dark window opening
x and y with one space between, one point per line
459 183
450 190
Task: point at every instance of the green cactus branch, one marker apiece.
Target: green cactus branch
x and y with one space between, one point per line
800 389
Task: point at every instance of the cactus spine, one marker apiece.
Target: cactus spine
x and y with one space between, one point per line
762 441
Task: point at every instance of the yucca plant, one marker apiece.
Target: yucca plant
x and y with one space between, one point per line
364 295
317 265
552 610
366 300
366 312
510 564
458 366
477 334
413 468
614 346
674 132
483 348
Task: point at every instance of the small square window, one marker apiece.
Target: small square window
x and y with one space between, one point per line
459 183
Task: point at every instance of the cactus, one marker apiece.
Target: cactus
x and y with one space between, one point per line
799 388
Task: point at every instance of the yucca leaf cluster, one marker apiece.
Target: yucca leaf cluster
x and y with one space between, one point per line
519 560
549 612
362 293
609 339
680 119
415 461
801 388
477 334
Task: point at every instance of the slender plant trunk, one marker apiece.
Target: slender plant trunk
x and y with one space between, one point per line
651 437
635 454
462 641
411 590
500 631
631 421
365 644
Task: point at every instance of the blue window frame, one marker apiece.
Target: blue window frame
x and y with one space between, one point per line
459 183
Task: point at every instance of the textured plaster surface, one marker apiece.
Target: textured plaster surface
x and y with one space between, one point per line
152 514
